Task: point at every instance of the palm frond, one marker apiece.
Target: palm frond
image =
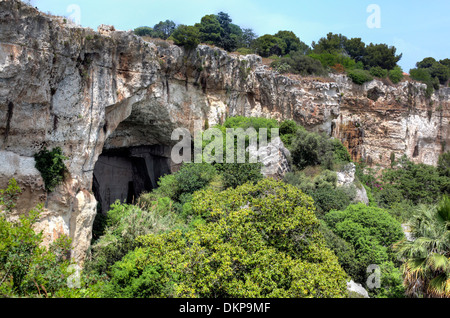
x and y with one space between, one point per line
438 262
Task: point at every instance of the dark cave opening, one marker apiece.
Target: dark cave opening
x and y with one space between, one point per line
124 174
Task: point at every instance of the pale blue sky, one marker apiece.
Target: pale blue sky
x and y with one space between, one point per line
417 28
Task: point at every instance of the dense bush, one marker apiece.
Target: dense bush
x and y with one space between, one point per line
418 183
187 36
396 75
260 241
297 63
236 174
322 188
359 76
9 196
124 224
27 268
310 149
379 72
193 177
51 166
370 230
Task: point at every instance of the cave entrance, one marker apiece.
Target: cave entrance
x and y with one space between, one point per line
124 174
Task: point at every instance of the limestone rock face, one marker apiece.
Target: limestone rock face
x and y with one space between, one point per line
358 289
274 158
346 178
88 92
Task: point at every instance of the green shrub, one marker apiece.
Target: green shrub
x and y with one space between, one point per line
298 63
194 176
396 75
341 154
27 268
359 76
260 241
418 183
124 224
371 231
311 149
344 251
9 196
51 166
245 51
379 72
327 199
187 36
388 196
236 174
391 282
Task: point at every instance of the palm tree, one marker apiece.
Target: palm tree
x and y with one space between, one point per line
426 260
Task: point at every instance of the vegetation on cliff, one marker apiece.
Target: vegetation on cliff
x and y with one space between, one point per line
333 53
212 230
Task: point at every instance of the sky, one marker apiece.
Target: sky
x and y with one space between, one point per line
418 29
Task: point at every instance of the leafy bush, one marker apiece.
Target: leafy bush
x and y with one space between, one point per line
236 174
297 63
379 72
51 166
327 199
27 268
396 74
344 251
249 229
370 230
333 59
187 36
9 196
124 224
359 76
322 188
310 149
418 183
193 177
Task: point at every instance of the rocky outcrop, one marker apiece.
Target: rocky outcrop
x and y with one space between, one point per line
357 289
347 178
92 92
274 158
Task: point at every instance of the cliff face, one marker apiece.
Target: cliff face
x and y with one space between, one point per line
94 93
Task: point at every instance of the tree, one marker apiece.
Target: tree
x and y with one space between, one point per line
418 183
144 31
426 62
381 55
268 45
396 74
333 43
187 36
230 32
293 43
440 71
370 230
247 38
164 29
427 259
355 48
210 30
